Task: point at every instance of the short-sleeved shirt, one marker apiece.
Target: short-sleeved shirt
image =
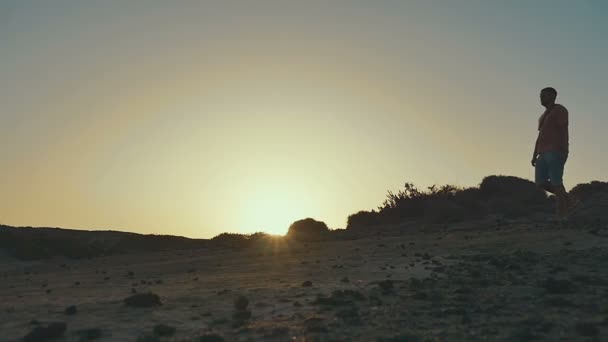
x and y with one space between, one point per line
553 130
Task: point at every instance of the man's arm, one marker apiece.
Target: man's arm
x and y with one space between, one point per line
535 153
562 122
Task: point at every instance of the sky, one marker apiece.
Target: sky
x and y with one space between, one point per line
195 118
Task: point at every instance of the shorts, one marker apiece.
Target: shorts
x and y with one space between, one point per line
550 168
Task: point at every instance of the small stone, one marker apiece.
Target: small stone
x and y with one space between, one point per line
587 328
559 286
241 303
164 330
89 334
241 315
44 333
386 285
143 300
148 338
307 283
70 310
211 338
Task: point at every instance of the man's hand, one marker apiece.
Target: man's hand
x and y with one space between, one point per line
534 160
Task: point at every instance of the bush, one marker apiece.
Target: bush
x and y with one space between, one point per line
512 196
364 218
236 240
308 229
512 187
503 195
587 191
444 211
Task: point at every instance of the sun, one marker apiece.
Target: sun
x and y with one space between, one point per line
273 210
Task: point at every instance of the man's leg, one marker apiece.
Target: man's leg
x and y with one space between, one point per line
555 164
547 187
562 201
541 174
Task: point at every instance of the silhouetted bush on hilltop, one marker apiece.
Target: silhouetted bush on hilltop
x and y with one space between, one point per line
308 229
236 240
502 195
364 218
587 191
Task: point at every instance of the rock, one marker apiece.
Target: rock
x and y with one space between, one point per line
143 300
587 328
70 310
558 301
241 315
89 334
277 332
307 283
349 315
44 333
386 285
148 338
211 338
315 325
400 338
241 303
163 330
339 297
345 280
559 286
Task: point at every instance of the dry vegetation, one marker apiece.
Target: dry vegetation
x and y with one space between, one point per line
444 264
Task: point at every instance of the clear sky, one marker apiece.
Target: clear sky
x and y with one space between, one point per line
199 117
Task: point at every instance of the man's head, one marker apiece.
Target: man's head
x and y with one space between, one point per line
547 96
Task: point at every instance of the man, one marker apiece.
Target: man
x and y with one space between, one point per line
551 151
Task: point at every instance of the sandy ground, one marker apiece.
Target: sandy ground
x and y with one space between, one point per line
513 281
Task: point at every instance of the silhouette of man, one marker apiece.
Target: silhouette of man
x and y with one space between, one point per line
551 150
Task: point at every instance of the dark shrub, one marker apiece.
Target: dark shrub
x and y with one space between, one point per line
50 331
512 196
236 240
308 229
364 218
444 211
407 203
143 300
470 200
512 187
587 191
231 240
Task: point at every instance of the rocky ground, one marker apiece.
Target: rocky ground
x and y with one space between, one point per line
491 280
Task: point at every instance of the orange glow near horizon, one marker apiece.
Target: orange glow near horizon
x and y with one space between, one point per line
200 119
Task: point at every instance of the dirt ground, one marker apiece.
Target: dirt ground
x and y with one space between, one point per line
493 281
